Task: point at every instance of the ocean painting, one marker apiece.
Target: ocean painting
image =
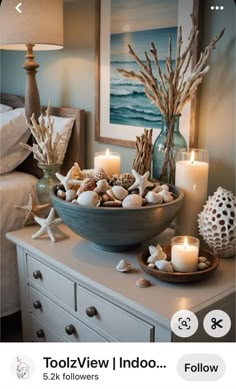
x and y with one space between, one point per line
128 103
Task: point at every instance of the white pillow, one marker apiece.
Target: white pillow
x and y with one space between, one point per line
5 108
62 126
13 130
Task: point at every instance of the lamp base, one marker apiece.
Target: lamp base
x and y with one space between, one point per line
32 100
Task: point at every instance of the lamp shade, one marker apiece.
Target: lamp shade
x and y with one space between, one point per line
39 23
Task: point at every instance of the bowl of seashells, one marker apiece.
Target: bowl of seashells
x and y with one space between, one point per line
115 213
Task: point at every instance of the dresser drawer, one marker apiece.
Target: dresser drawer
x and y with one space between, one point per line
120 324
59 320
57 285
41 332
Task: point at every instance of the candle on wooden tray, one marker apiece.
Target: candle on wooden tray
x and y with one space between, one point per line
192 177
184 253
108 161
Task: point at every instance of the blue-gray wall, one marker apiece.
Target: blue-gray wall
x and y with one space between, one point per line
67 78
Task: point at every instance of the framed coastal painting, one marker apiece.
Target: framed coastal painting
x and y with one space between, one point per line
122 108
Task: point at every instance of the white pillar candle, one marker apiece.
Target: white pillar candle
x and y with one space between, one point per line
192 177
184 254
108 161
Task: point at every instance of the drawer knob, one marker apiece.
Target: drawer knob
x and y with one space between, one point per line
40 333
91 311
37 304
37 274
70 329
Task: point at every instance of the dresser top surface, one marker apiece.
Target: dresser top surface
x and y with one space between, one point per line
79 259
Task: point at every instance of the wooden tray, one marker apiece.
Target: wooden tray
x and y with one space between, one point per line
178 277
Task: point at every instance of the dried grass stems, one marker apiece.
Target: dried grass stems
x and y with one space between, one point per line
143 157
45 151
172 89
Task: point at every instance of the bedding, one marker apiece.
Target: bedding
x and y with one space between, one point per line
13 131
5 108
15 187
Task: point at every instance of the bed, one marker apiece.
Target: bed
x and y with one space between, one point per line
15 186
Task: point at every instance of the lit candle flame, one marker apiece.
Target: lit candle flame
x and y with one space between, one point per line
107 153
185 242
192 157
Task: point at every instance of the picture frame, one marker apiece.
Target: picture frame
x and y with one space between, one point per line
122 134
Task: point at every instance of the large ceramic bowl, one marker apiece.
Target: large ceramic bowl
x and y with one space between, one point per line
117 229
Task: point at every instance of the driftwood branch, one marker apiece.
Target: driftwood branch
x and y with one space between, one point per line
172 89
144 148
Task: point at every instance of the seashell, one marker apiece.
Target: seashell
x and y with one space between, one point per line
125 180
88 173
132 201
89 198
143 283
112 203
76 172
156 253
106 197
166 195
102 186
61 193
217 225
202 259
117 192
153 198
88 184
159 188
164 265
123 266
100 174
202 266
151 265
70 194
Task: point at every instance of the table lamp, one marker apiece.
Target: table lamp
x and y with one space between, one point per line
31 25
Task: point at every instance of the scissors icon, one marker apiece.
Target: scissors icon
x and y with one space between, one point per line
216 323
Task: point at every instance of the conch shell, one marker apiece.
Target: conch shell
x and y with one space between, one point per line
156 254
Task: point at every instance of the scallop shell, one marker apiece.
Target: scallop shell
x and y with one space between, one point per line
123 266
143 283
117 192
125 180
132 201
217 225
89 198
153 198
164 265
100 174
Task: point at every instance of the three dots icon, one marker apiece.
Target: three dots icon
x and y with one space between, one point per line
217 7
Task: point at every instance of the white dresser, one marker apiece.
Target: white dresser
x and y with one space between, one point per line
72 292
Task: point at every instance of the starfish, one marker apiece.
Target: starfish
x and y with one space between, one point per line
49 226
141 182
68 180
31 210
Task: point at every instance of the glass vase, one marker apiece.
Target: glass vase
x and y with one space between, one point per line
46 182
167 142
